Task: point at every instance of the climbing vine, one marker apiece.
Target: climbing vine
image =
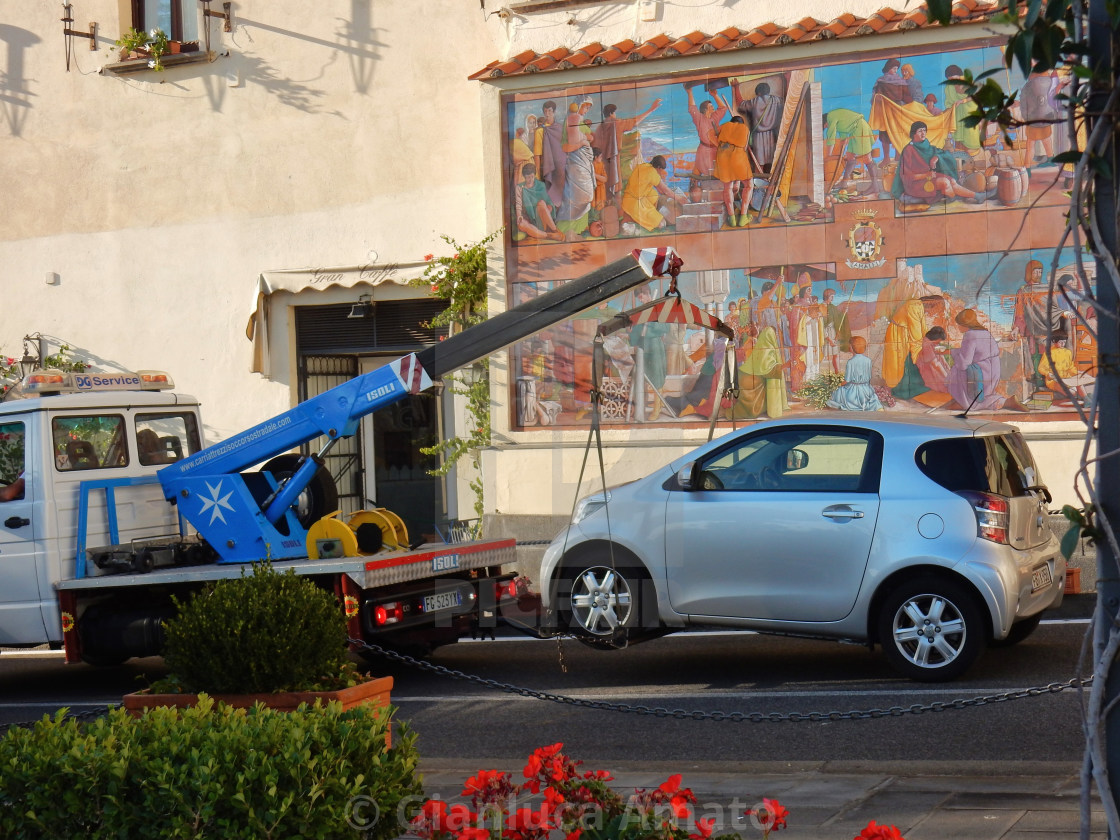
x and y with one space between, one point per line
460 279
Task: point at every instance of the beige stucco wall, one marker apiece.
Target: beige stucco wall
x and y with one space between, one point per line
319 134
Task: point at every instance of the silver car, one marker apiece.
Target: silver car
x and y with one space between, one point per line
928 536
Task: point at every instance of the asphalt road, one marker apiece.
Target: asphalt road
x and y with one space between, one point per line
696 673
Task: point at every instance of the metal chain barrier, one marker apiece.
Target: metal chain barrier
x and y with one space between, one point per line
734 717
91 714
660 711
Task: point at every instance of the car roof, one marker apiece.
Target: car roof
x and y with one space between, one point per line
897 423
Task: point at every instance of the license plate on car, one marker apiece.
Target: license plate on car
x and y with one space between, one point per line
1040 578
442 601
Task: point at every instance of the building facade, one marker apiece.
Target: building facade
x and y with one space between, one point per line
290 167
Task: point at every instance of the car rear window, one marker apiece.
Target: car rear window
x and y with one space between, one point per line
1000 464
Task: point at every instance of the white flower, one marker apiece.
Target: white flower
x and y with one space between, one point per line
153 34
152 64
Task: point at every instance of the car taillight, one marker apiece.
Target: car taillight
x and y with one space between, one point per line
993 515
389 613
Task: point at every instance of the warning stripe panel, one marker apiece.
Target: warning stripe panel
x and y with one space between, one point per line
448 560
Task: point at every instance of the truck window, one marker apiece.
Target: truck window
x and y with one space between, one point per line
11 461
166 438
89 442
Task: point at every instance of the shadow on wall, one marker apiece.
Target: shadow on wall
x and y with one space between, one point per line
15 96
356 40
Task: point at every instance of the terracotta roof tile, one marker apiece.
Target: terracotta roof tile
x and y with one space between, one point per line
581 56
727 40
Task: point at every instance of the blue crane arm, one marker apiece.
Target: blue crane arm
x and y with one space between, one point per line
242 523
334 413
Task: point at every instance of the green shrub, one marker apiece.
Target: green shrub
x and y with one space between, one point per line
259 633
209 771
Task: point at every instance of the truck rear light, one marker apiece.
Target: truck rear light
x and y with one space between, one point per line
993 515
505 589
389 613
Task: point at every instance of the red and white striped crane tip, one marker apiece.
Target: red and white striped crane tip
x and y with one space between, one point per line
656 262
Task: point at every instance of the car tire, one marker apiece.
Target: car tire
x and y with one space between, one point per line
1020 630
319 499
931 629
601 601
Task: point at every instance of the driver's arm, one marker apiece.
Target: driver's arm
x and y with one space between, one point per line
12 491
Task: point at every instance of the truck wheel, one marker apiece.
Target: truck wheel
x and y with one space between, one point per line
931 629
603 602
315 502
108 660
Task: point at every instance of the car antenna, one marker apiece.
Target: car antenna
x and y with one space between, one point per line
964 414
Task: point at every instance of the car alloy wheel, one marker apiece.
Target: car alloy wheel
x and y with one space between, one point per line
603 600
931 630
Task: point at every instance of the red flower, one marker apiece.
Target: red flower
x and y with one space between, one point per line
527 823
771 816
428 257
436 817
541 759
474 833
879 832
677 796
553 799
483 781
574 835
457 818
599 775
703 829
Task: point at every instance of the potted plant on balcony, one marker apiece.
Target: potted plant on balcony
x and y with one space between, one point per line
153 45
266 637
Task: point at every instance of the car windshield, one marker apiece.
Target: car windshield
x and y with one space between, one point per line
1000 464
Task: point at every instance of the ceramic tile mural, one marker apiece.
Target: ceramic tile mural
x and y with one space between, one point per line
868 249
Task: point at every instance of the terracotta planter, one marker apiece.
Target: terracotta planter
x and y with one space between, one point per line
373 692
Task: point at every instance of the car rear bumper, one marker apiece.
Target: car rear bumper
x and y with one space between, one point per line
1016 584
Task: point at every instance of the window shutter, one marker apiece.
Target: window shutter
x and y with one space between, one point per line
396 326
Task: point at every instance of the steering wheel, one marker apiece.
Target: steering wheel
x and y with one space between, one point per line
769 478
709 481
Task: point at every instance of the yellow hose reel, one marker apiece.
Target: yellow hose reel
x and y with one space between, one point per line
365 532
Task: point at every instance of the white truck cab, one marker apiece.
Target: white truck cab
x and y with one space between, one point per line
58 430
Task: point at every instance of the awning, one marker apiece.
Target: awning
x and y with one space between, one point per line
297 280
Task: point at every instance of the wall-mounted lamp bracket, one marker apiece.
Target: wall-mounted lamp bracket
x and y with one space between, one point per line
67 32
226 15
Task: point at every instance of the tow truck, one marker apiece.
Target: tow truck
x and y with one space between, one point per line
123 509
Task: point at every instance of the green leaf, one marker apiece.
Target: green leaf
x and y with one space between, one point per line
1070 540
1021 46
940 11
1034 9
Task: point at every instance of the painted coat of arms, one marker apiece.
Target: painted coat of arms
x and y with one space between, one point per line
864 241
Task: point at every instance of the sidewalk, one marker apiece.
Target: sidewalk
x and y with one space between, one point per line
925 800
836 800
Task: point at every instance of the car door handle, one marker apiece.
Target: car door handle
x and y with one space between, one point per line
16 522
843 512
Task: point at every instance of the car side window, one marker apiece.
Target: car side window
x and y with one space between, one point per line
11 461
165 438
89 442
797 460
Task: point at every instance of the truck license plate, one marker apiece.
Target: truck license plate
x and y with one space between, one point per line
1040 578
442 601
